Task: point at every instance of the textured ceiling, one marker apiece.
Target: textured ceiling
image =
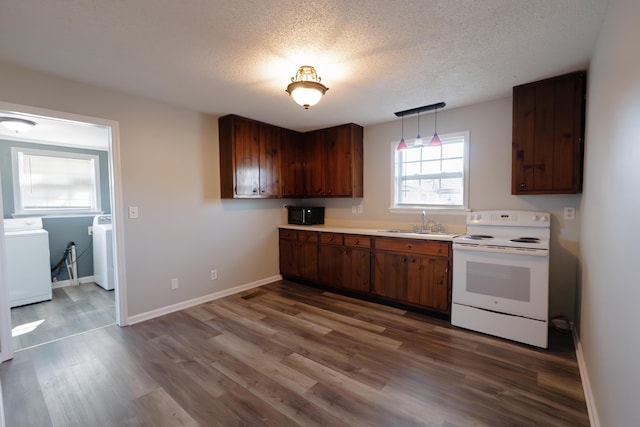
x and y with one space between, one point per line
376 56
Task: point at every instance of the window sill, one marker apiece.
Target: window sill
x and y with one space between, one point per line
429 210
53 214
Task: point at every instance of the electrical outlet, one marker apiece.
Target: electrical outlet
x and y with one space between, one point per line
133 212
214 274
174 284
90 230
360 208
284 208
570 214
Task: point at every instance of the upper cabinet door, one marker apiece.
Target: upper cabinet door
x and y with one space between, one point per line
315 164
292 173
246 155
548 135
270 161
249 158
344 160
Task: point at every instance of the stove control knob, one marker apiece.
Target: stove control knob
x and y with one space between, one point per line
536 218
545 218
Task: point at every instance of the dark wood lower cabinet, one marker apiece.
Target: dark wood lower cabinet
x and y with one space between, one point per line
408 271
299 254
345 261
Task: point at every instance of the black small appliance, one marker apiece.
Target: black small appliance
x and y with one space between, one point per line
305 215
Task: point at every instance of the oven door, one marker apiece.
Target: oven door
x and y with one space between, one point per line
504 280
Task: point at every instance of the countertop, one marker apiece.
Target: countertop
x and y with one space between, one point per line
406 234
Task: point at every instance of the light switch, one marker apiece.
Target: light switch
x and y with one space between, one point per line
569 214
133 212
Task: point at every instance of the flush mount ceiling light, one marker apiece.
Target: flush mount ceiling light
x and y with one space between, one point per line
418 142
17 125
305 88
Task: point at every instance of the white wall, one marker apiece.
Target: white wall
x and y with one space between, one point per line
610 315
170 170
490 186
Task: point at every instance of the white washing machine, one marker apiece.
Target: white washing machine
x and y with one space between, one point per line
103 251
28 261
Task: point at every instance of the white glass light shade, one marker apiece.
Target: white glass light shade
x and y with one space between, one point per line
305 93
17 125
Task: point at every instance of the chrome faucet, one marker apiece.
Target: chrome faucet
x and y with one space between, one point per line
423 226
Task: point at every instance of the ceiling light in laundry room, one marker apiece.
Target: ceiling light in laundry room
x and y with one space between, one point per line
17 125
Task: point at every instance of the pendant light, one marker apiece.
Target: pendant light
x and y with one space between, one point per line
418 141
402 145
435 141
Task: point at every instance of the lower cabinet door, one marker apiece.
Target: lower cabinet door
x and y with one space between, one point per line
357 269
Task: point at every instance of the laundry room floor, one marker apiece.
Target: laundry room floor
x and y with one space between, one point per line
73 309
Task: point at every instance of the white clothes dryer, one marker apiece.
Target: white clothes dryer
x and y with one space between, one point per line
103 251
28 261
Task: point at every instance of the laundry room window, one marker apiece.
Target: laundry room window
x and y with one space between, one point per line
52 182
432 177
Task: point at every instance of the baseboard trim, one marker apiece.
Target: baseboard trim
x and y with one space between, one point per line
63 283
586 383
131 320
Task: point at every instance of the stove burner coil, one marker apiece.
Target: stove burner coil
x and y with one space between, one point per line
526 240
479 237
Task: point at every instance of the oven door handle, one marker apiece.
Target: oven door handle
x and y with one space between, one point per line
500 249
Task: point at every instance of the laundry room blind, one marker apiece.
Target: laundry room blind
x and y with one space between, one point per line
55 181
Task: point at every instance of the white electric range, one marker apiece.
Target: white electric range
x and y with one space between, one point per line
501 275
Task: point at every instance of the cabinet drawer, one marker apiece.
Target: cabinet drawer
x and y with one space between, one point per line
424 247
357 241
308 236
288 234
331 239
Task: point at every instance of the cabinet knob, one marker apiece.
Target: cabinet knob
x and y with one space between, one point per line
523 186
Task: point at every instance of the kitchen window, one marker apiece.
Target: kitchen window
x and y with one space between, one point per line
428 177
52 182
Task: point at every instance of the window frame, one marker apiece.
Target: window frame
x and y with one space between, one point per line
449 209
18 200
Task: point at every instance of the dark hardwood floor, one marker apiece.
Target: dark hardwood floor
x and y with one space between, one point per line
285 355
72 310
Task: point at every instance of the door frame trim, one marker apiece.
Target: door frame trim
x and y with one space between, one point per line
118 216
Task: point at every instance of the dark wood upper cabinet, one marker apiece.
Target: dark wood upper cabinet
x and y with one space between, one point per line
548 135
250 161
292 177
334 162
259 160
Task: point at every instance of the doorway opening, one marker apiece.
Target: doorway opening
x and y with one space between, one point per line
77 213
